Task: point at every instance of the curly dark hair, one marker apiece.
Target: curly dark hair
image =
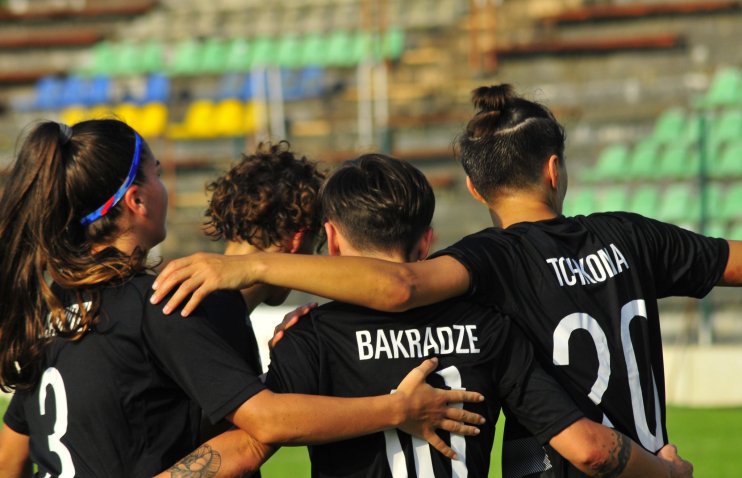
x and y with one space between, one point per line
267 197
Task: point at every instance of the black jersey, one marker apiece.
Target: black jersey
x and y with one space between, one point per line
585 290
349 351
119 401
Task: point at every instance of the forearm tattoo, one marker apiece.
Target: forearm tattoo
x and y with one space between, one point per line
619 454
202 463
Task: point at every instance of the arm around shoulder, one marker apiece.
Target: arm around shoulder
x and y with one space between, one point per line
14 461
733 271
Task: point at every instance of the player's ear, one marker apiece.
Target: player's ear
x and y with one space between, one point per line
296 241
333 242
473 191
551 171
133 201
422 249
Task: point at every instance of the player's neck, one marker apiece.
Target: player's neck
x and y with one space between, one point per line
391 256
514 208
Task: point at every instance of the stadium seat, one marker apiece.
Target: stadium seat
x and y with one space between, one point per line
187 58
156 89
100 90
74 92
645 201
725 89
678 161
679 205
289 52
730 208
128 113
151 57
393 43
643 160
725 129
337 49
715 229
612 199
152 120
670 126
313 50
48 93
197 123
264 52
102 59
214 55
580 201
612 163
126 59
73 115
233 118
729 163
238 56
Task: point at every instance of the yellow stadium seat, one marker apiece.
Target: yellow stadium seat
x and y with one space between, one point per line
197 124
152 120
128 113
73 115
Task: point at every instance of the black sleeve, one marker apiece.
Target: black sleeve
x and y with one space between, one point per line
295 362
479 254
529 393
198 359
15 417
683 263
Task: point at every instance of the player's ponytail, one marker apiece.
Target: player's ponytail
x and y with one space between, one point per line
59 174
507 140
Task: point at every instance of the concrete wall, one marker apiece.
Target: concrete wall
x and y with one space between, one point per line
698 376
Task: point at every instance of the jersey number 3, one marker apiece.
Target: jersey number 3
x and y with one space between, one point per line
635 308
423 460
52 378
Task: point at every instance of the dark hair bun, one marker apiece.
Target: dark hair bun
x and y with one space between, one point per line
492 98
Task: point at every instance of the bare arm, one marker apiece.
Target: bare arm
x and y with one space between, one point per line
601 452
733 271
14 461
374 283
416 408
232 454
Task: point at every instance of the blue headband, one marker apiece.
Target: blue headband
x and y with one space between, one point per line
101 211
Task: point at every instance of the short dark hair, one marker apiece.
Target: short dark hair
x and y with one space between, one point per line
507 142
379 203
267 197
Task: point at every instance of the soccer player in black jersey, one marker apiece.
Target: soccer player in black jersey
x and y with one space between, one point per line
104 380
378 206
584 289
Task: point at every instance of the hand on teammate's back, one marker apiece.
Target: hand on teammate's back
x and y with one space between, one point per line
679 467
289 320
430 408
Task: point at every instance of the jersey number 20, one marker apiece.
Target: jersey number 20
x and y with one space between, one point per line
635 308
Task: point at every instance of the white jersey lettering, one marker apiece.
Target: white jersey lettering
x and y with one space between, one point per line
593 268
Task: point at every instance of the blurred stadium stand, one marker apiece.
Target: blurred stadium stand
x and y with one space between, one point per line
654 120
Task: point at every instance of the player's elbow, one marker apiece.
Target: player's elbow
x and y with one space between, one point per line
398 292
595 461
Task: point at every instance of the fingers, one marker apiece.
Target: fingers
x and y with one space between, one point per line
459 428
454 396
465 416
277 336
440 445
427 367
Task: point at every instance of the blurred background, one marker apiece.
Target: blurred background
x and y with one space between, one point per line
650 93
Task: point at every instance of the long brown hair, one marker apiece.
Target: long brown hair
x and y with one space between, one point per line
59 175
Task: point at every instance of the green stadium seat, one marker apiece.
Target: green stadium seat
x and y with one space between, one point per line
725 129
238 58
731 206
187 58
151 57
678 161
645 201
313 50
612 164
393 43
725 89
715 229
340 49
580 201
643 160
289 51
214 54
679 205
264 52
613 199
670 126
102 60
729 163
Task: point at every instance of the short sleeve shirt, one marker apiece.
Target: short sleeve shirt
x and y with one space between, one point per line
348 351
585 291
119 401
